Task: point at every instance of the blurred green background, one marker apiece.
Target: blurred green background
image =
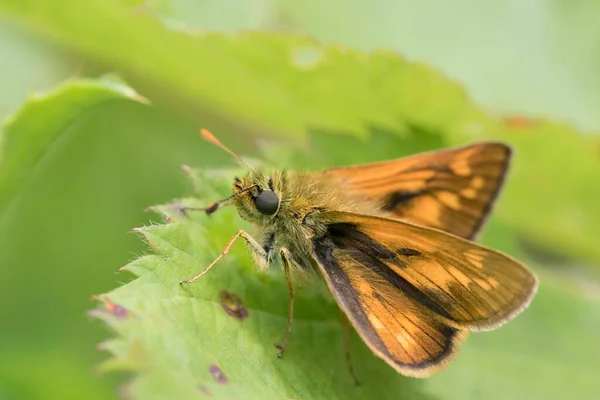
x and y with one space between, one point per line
82 157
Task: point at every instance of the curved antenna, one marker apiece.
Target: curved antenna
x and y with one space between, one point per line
209 137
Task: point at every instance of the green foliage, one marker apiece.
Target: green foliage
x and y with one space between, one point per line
30 134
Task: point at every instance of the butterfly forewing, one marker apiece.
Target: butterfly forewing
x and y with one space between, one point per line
452 190
412 292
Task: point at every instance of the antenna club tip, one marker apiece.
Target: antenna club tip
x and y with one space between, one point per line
207 135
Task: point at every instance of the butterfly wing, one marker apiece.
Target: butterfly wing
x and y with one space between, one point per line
413 293
452 190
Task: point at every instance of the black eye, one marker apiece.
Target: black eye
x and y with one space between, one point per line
267 202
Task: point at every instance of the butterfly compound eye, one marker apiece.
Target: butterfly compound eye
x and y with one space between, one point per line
267 202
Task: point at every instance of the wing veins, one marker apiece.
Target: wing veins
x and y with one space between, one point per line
449 293
409 334
497 293
463 210
388 305
468 291
481 275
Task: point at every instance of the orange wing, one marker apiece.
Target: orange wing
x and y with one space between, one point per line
452 190
413 293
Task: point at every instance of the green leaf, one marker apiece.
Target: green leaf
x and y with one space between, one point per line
80 181
184 342
483 48
29 134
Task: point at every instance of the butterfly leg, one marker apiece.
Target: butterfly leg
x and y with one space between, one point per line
346 328
252 243
287 261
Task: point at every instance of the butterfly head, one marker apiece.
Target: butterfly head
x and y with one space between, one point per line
255 197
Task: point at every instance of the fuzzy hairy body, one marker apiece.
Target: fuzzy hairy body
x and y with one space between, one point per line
304 196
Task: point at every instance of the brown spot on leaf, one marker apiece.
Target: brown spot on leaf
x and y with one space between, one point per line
218 374
115 309
111 307
233 305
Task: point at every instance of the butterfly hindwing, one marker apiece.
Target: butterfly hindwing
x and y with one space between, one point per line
452 190
405 334
413 293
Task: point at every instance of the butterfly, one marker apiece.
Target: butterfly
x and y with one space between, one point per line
393 241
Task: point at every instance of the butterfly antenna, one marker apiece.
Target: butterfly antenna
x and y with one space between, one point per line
211 208
209 137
